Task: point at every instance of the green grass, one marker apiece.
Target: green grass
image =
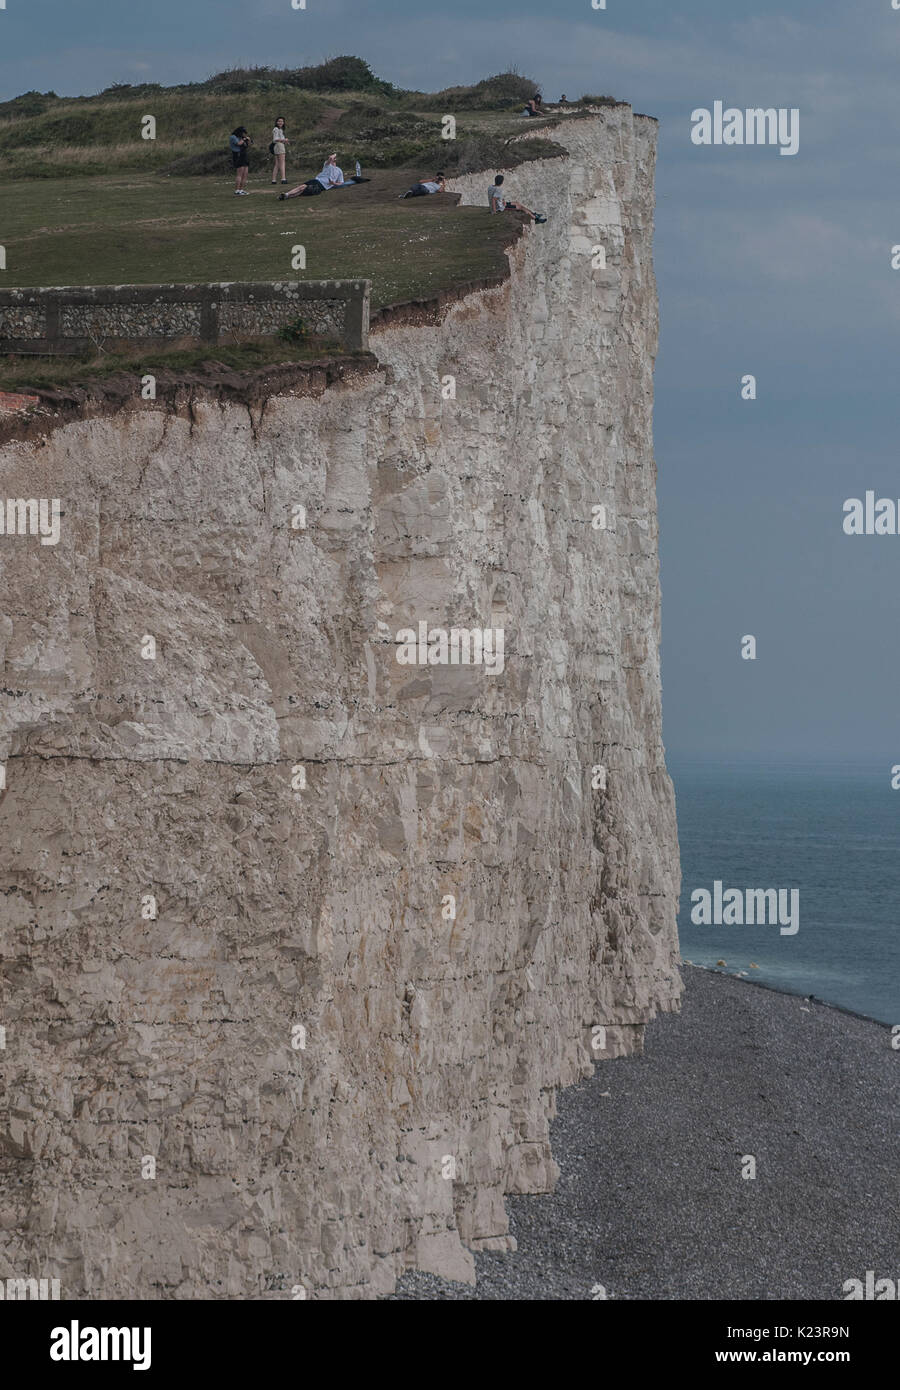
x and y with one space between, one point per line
340 103
113 230
87 201
104 137
22 373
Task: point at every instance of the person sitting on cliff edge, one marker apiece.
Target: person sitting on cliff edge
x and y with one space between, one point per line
497 202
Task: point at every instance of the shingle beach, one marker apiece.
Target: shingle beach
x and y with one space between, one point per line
651 1203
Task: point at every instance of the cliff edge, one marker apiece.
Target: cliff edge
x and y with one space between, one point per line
298 940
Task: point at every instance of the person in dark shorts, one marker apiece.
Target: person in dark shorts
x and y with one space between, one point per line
426 186
239 144
330 177
310 189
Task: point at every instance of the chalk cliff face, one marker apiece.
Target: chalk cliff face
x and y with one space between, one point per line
334 1075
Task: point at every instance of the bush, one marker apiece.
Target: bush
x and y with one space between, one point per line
28 104
596 101
240 80
344 74
293 332
124 91
504 89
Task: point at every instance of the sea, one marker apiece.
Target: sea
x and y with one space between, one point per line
830 831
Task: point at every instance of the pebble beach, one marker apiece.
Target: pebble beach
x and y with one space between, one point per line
651 1202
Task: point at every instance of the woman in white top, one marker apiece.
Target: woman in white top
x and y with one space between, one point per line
279 146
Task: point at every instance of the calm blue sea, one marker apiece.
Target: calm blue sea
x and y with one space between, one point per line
832 833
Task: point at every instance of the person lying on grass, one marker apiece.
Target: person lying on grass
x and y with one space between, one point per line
330 177
309 189
425 186
498 203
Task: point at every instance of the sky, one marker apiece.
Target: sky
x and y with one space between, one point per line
776 266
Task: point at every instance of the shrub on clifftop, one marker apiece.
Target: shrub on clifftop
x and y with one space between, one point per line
498 92
343 74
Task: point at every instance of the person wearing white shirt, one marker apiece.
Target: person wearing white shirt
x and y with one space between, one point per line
279 149
497 202
331 176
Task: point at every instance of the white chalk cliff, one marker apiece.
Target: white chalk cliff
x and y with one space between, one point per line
335 1077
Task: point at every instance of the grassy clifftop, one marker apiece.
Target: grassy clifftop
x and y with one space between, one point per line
88 201
339 104
117 229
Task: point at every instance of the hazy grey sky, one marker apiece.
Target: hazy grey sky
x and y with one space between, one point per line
771 265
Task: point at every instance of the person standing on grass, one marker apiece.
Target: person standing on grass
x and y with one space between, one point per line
239 144
280 143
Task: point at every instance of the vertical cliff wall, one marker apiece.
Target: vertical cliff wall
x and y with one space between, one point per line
334 1075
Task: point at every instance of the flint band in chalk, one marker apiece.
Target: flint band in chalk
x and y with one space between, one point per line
754 126
460 646
30 516
76 1343
738 907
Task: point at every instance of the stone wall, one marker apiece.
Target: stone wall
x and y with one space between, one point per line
317 932
74 319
